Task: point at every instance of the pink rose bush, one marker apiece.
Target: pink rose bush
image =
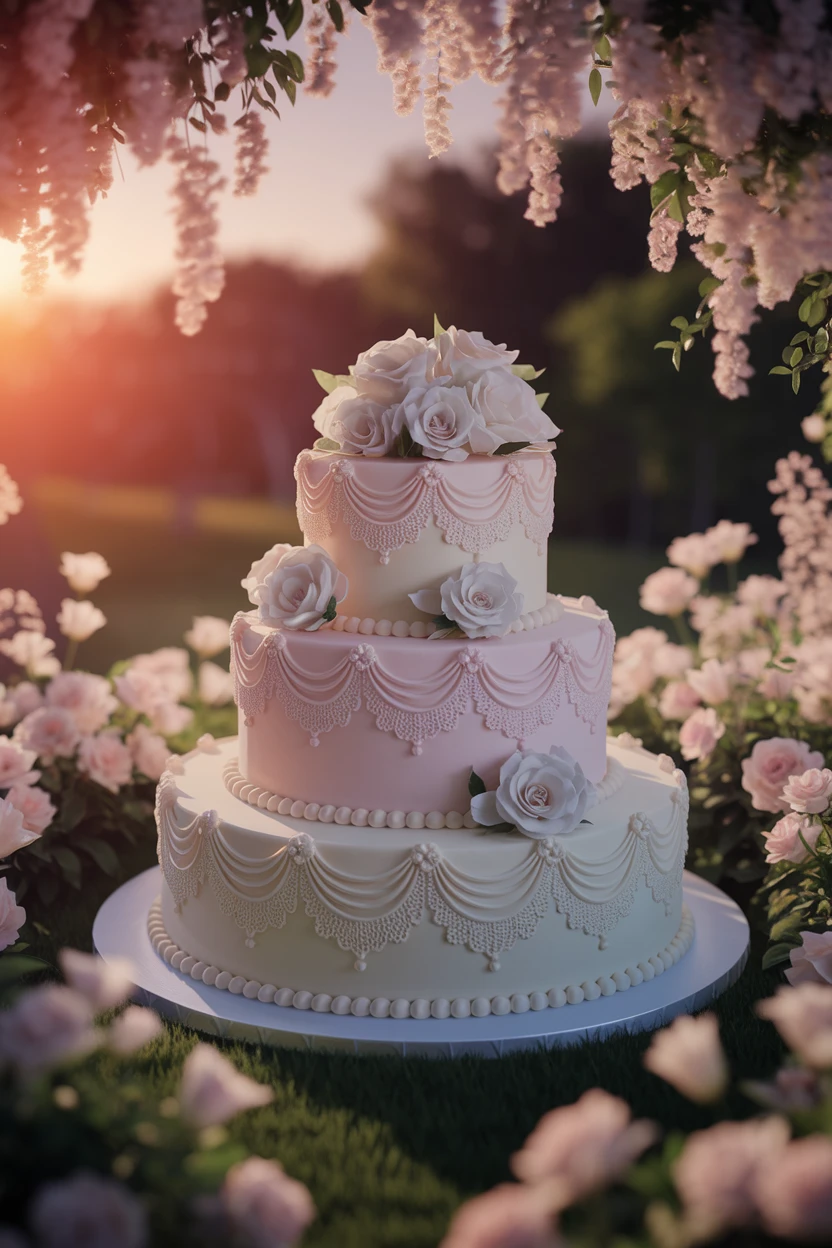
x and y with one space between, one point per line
770 766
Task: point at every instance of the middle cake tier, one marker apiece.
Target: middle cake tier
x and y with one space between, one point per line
396 724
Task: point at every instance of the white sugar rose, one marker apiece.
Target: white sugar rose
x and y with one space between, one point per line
483 600
440 419
302 591
465 356
324 415
389 370
509 412
363 427
542 795
261 568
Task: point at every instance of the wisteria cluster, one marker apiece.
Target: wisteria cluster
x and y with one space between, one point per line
723 109
769 1175
119 1170
79 752
745 689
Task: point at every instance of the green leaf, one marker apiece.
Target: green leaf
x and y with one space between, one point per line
437 328
197 124
297 65
527 372
292 19
795 382
805 308
331 609
596 82
803 336
781 370
102 854
796 356
603 49
674 208
666 185
817 312
508 448
708 285
679 322
70 865
476 784
541 399
785 355
73 809
327 381
13 966
677 356
222 91
821 342
776 954
665 345
335 11
325 444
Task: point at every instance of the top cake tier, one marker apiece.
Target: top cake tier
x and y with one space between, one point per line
395 526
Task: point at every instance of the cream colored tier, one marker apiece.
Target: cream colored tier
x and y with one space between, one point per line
398 723
394 526
480 922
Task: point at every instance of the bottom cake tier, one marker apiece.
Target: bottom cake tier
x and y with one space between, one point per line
414 922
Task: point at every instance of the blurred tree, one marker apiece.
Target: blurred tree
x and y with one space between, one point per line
666 454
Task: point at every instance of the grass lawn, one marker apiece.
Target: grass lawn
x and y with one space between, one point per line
388 1147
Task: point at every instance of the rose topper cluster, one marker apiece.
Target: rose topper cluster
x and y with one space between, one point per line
447 397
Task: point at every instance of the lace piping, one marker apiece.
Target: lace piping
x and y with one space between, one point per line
487 914
385 520
416 710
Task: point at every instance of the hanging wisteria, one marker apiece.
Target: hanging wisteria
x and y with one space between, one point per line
724 108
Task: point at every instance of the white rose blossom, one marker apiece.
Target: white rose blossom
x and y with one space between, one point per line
261 568
541 795
84 572
325 415
388 370
78 620
363 427
302 591
464 356
439 419
483 600
508 411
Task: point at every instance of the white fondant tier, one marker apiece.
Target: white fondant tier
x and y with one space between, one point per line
394 526
450 922
395 723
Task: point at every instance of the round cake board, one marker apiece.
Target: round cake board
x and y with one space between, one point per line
713 963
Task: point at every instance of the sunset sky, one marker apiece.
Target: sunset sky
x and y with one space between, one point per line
325 157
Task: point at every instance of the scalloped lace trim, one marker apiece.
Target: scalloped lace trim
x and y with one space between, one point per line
419 1007
387 520
516 705
363 914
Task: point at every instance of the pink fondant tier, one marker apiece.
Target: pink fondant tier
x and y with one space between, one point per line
397 723
394 526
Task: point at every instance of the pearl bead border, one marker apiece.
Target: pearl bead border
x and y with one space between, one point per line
434 821
419 1008
550 613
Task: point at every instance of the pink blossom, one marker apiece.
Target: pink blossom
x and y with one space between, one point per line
677 700
265 1206
730 541
689 1056
106 760
215 685
783 841
10 500
16 764
581 1147
12 918
813 427
13 835
35 807
810 793
103 983
794 1191
777 684
717 1170
670 660
763 593
662 241
133 1029
793 1089
27 697
170 718
46 1027
51 732
811 961
668 592
512 1215
803 1016
250 151
212 1090
200 275
772 762
78 620
31 651
699 734
705 610
171 668
208 635
88 1211
89 699
715 681
149 751
694 553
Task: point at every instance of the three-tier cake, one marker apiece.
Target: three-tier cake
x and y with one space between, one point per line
422 815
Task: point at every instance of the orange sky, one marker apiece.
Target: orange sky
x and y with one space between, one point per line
326 156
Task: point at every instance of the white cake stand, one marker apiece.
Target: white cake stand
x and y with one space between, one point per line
714 962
